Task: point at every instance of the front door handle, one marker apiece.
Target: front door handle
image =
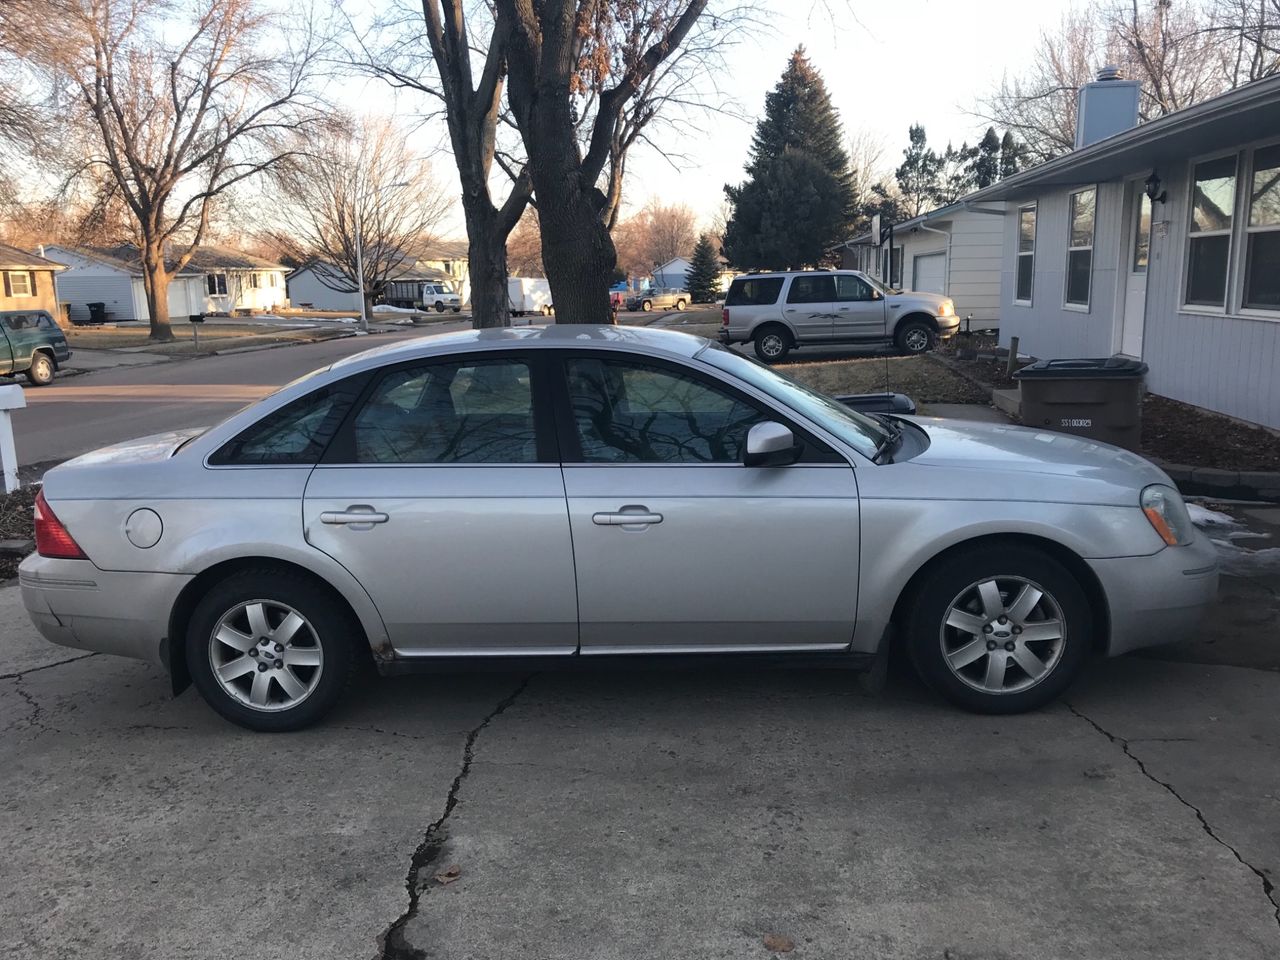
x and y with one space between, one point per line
626 517
358 516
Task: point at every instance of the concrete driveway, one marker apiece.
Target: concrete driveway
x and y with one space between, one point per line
619 814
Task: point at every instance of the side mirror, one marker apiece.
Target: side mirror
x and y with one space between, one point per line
770 444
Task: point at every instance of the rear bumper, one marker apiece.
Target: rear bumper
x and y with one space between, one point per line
1158 599
74 604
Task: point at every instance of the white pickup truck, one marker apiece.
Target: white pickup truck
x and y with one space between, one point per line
441 297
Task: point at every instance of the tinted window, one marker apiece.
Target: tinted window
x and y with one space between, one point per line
753 292
852 288
298 432
468 412
819 288
18 321
45 322
625 412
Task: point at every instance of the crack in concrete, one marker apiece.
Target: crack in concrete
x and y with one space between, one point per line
35 717
1268 888
48 666
384 732
393 945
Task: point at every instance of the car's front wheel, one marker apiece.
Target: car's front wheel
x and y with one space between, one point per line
646 306
41 370
915 336
270 649
679 304
439 305
999 629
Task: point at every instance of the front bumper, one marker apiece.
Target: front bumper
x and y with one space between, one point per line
1158 599
948 327
74 604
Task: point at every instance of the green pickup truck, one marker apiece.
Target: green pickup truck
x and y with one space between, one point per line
32 344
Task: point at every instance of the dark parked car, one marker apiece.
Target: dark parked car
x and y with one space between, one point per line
33 344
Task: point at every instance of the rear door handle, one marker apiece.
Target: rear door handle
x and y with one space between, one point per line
358 516
626 517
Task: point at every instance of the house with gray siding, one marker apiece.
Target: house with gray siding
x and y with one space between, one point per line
1159 242
955 250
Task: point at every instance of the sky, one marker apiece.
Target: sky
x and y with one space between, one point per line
887 65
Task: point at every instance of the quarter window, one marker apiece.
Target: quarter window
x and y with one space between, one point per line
1262 256
1080 246
1026 254
297 433
1213 199
476 411
753 292
625 412
812 288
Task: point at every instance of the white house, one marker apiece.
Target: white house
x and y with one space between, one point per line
675 273
322 286
1159 242
215 280
955 250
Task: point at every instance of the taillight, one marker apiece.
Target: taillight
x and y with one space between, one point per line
52 538
724 317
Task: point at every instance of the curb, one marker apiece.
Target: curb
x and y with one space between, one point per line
1223 484
255 348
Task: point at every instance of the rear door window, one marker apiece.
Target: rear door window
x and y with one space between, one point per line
753 292
819 288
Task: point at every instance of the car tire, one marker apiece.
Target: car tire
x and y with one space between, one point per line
679 304
439 307
772 342
457 309
294 695
41 370
915 336
960 648
646 306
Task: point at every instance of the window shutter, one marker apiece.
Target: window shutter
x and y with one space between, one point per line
35 291
8 286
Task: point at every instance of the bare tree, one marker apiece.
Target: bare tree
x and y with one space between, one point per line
1246 34
558 50
524 247
356 184
181 104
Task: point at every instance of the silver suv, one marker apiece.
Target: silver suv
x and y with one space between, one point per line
781 311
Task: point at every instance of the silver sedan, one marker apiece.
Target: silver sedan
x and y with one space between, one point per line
577 492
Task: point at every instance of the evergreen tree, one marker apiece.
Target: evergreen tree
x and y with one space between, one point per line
799 134
985 168
787 216
918 175
703 280
1012 155
955 174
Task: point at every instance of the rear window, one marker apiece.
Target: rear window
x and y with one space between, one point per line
297 433
753 292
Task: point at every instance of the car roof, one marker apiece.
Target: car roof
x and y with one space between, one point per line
643 339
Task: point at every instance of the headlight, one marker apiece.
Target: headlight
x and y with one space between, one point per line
946 309
1168 514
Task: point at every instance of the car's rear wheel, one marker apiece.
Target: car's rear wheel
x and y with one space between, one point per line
773 343
999 629
270 649
41 370
915 336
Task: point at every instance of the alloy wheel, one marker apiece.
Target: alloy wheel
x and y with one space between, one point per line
771 345
1003 635
265 655
917 340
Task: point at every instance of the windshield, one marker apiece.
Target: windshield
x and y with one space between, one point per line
857 430
877 284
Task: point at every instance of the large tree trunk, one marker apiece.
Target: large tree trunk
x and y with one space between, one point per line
577 251
487 254
155 281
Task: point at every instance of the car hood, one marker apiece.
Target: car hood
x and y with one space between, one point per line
1009 462
916 299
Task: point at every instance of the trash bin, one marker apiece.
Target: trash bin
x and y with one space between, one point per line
97 312
1096 398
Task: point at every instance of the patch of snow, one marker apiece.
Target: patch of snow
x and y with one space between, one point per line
1244 562
388 308
1204 517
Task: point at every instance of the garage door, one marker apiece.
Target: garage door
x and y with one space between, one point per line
930 273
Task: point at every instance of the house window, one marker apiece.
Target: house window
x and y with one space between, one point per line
271 279
1142 236
1213 200
1026 254
1080 246
1262 243
19 283
216 283
255 280
891 268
